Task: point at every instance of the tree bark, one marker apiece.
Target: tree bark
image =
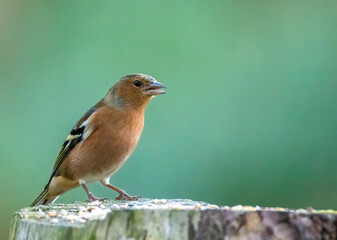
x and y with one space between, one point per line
169 219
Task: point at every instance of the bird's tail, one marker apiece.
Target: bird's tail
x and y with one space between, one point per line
44 198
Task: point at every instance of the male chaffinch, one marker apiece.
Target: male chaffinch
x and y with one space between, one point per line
102 140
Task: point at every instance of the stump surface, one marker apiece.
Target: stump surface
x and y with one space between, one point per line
170 219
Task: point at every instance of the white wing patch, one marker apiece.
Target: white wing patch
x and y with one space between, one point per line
71 137
87 130
82 132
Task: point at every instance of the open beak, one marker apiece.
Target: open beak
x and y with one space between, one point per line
155 88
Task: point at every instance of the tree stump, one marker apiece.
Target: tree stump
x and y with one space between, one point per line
170 219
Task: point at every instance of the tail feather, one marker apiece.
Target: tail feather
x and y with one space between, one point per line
43 198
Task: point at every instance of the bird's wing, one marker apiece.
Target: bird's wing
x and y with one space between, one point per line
79 133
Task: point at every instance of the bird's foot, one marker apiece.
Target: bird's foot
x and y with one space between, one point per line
124 196
92 198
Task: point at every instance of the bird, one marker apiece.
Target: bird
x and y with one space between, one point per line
102 140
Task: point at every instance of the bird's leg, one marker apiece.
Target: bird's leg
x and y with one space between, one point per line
91 196
122 194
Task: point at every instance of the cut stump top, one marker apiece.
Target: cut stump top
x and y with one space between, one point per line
170 219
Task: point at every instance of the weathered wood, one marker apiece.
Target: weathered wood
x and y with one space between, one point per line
170 219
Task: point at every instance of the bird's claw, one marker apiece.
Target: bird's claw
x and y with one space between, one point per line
92 198
124 196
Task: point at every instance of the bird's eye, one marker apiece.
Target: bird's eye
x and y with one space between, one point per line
137 83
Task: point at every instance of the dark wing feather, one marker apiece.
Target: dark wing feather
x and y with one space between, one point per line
75 136
66 148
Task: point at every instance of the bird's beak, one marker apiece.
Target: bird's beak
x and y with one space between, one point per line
155 88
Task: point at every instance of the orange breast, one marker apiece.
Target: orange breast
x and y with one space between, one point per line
115 137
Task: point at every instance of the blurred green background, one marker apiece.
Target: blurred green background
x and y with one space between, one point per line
250 116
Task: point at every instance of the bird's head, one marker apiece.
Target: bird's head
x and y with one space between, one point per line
134 91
